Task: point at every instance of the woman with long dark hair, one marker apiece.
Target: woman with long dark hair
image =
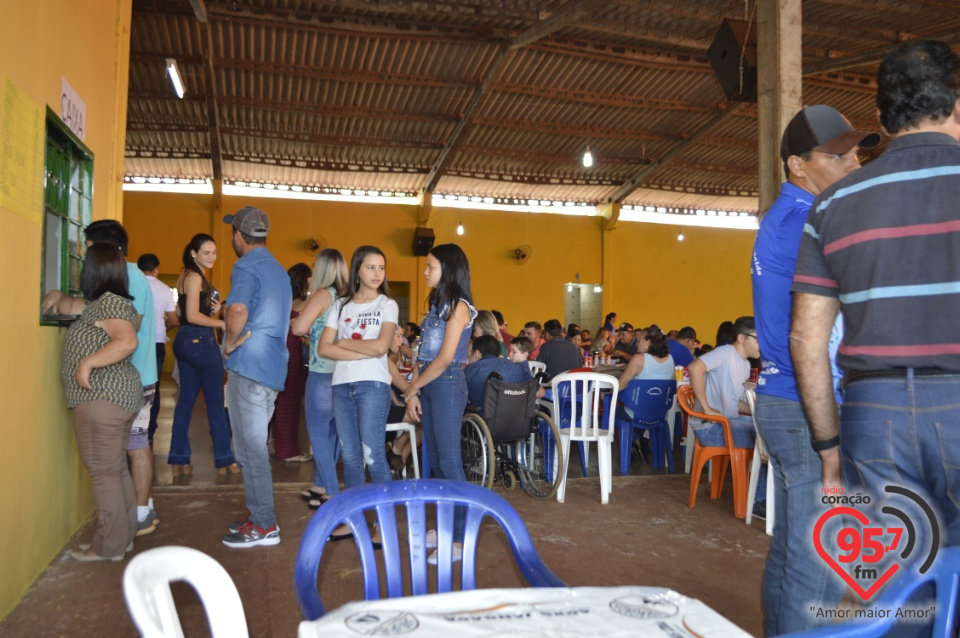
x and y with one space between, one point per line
438 390
103 388
329 282
286 412
199 359
358 338
652 361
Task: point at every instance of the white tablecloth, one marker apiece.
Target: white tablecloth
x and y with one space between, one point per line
626 612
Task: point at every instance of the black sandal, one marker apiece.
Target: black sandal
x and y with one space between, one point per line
310 495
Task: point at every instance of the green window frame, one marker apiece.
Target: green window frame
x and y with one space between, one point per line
67 209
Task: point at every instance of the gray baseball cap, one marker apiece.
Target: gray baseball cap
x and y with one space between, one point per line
822 128
249 220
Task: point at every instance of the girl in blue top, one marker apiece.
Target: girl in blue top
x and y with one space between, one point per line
438 391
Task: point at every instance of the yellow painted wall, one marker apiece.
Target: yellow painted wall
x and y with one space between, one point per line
700 281
44 488
653 278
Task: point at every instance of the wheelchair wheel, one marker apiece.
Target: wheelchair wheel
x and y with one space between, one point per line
540 459
509 481
476 451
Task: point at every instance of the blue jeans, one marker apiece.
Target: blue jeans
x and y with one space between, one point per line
201 368
322 430
906 431
251 406
361 411
443 401
711 435
795 578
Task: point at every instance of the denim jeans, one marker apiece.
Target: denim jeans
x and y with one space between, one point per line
155 408
201 368
443 401
795 578
906 431
744 435
322 430
251 406
361 411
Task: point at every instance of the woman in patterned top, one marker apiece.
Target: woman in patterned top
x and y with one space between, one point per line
104 390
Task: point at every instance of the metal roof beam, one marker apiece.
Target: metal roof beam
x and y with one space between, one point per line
331 110
340 74
213 112
871 57
329 140
637 180
601 99
466 119
322 165
572 11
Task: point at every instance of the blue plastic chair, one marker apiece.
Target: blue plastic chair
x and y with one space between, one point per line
349 507
944 575
649 400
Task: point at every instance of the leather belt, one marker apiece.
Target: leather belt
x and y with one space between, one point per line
892 373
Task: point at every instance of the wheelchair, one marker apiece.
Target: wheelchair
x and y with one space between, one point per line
512 441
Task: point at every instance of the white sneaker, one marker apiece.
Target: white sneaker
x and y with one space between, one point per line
457 555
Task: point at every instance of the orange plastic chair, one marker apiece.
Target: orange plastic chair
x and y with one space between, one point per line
723 456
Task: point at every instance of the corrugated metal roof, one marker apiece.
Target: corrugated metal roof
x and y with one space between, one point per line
489 98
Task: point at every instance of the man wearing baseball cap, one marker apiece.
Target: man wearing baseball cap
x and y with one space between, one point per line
819 146
258 317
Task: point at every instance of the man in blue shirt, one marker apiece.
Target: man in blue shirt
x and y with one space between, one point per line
818 148
484 359
681 348
258 318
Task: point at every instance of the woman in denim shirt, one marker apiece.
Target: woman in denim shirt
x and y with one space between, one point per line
438 390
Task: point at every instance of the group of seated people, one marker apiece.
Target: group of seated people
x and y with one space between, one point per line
717 374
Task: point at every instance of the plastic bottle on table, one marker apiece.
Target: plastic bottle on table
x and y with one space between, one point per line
588 360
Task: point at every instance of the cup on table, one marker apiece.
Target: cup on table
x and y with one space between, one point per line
678 373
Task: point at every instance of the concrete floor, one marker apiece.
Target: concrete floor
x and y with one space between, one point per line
646 535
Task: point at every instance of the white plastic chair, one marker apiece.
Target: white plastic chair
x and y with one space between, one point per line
536 366
580 420
760 455
410 429
146 588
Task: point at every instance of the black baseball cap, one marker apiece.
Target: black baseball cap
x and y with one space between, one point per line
625 327
822 128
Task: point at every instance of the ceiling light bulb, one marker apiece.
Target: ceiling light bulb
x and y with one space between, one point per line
174 73
680 236
460 228
588 158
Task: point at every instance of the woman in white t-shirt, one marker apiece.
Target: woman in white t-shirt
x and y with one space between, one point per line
357 337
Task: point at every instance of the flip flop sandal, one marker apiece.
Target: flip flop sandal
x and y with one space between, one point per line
310 495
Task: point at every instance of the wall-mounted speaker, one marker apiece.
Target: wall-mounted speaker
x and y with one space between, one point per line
724 56
422 241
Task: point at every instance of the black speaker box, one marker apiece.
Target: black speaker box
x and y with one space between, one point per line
422 241
724 56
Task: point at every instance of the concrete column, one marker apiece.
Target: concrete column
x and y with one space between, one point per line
779 87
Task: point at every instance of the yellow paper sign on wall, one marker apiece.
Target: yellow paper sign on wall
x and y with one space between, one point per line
21 153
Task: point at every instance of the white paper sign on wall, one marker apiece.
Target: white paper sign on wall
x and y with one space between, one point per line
73 110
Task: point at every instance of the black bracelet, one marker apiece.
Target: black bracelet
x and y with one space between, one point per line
820 446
